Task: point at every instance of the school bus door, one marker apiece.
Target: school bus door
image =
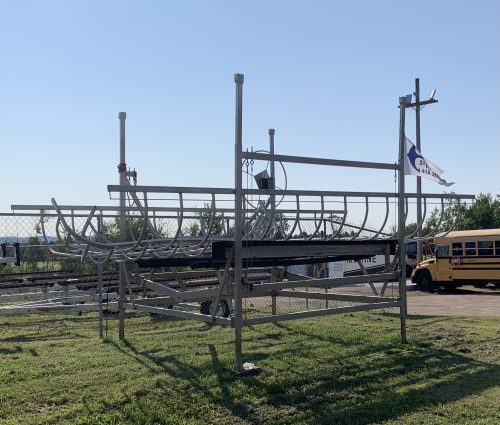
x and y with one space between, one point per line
443 263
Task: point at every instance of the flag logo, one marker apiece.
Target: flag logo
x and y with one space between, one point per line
417 165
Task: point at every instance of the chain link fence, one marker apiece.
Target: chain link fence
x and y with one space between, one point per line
312 298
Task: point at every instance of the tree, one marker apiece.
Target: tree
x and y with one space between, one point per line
411 229
484 213
133 229
193 229
209 221
205 222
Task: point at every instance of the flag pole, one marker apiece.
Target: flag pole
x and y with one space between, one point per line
401 218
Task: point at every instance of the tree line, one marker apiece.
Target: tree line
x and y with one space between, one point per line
484 213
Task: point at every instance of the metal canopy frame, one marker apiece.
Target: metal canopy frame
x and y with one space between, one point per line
266 234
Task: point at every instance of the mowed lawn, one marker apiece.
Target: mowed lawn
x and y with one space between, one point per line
344 369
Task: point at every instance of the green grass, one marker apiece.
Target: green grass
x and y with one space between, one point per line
347 369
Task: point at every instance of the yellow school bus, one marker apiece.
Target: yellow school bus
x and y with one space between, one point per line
461 257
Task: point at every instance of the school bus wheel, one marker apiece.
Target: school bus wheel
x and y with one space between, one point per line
424 281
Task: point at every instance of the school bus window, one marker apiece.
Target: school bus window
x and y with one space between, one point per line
485 248
442 251
497 248
411 250
470 248
457 249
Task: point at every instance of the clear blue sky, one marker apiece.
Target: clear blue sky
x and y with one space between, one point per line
325 74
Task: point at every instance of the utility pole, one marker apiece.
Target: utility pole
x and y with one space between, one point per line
418 106
420 225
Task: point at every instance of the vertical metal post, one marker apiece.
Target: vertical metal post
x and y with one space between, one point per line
238 225
419 179
401 218
274 272
387 268
99 289
273 186
122 169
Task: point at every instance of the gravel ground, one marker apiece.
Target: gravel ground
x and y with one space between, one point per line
463 301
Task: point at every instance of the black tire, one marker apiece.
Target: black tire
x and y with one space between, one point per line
223 310
409 271
205 307
425 282
451 286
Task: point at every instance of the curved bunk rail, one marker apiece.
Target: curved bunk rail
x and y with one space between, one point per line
421 223
296 221
434 229
382 227
362 227
90 240
341 225
456 220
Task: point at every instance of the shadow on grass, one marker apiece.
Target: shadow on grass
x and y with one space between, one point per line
436 319
15 350
324 381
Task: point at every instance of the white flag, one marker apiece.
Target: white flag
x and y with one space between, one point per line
417 165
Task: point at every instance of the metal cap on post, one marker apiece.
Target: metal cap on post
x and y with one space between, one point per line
239 78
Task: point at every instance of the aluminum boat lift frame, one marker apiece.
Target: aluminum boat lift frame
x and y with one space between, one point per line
252 241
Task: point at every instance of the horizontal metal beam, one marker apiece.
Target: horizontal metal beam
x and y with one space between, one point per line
318 161
11 310
422 103
162 289
156 301
180 314
171 189
6 260
317 313
353 194
320 250
228 212
326 283
333 296
226 191
108 208
191 274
